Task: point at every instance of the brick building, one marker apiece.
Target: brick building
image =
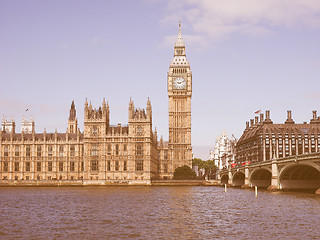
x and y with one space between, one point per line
263 140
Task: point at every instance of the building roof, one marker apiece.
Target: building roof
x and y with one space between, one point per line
40 136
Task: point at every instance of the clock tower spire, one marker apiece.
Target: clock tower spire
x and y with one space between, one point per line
179 82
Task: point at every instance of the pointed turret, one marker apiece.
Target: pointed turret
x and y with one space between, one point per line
179 46
149 110
131 109
72 121
179 42
73 113
104 106
86 112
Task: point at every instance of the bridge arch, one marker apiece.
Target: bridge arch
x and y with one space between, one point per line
224 179
300 176
260 177
238 179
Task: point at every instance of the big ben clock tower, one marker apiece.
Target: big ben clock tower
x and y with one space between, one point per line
179 93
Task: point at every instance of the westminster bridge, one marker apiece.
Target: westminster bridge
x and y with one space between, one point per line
293 172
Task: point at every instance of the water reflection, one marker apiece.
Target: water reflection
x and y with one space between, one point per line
156 212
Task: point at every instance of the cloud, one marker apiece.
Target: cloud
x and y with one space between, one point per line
213 20
197 40
313 95
12 104
65 46
97 40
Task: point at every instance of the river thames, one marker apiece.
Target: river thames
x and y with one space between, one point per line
156 213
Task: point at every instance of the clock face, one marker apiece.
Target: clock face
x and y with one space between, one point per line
179 83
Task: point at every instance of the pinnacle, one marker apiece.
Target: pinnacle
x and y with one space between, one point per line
179 42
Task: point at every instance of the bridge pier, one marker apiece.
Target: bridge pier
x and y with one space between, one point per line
275 183
230 180
246 177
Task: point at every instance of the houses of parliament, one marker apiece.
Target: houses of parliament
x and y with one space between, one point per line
105 153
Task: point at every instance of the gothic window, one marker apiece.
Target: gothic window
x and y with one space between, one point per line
139 130
49 166
39 151
165 154
183 156
38 166
72 150
94 165
61 151
109 149
165 168
139 149
82 166
109 166
72 166
139 165
94 130
49 151
5 166
125 166
117 149
6 150
125 149
27 166
61 166
117 165
94 149
17 151
16 166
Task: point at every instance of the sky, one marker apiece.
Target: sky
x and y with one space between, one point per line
245 55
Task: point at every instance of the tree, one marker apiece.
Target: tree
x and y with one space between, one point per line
184 173
197 162
208 166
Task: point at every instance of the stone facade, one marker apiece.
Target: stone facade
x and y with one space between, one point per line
104 153
223 153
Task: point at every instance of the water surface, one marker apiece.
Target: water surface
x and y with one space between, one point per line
156 213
